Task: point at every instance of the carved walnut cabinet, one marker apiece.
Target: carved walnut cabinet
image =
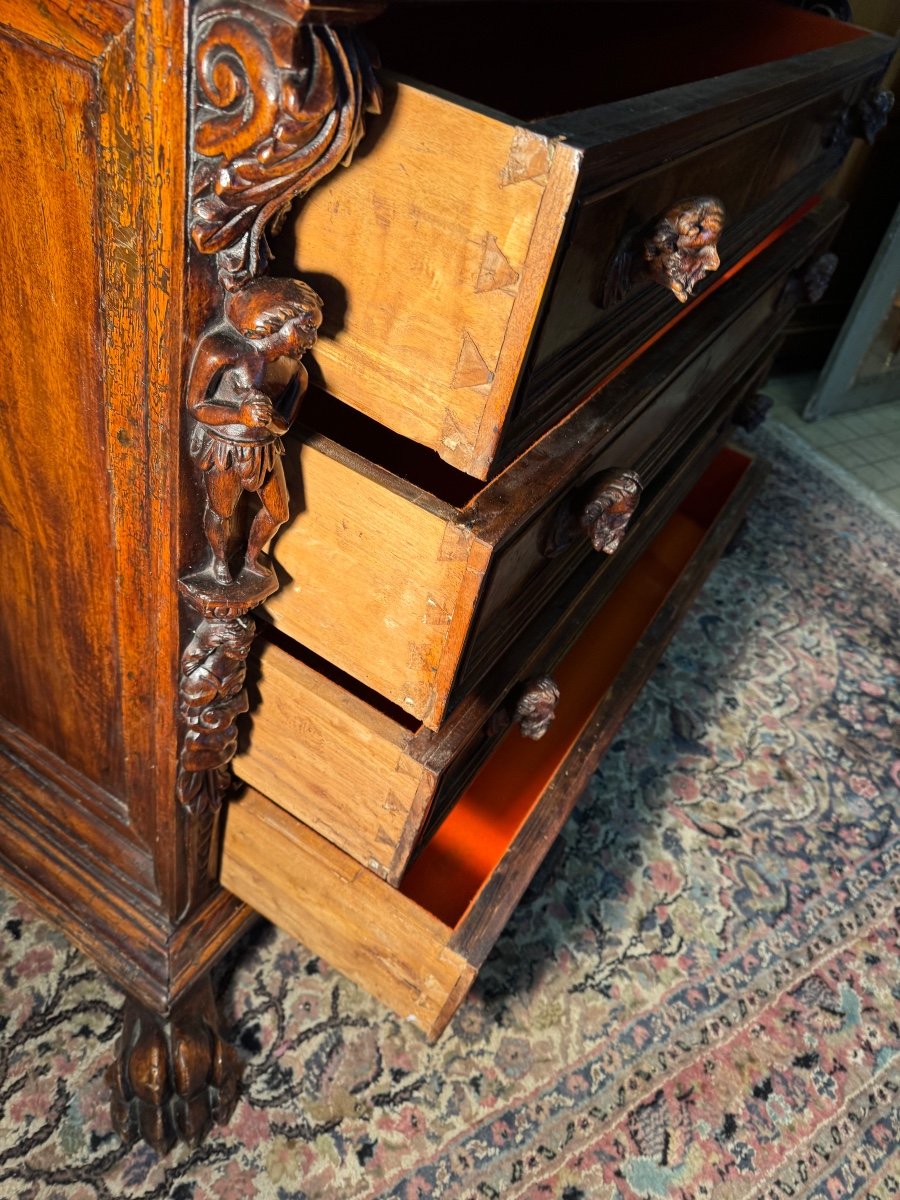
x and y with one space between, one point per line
396 507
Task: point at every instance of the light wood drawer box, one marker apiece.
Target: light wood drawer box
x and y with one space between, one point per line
376 783
418 948
414 594
483 244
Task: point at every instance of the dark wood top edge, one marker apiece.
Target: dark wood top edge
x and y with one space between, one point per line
761 91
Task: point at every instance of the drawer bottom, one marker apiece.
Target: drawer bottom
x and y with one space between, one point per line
419 947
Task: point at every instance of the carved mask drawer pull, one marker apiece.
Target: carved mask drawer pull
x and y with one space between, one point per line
677 250
600 510
533 709
682 247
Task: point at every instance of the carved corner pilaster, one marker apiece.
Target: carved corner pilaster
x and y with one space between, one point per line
279 90
279 97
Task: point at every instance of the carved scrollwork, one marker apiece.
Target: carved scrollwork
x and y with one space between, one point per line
677 250
277 109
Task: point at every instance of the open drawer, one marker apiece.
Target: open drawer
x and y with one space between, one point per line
410 576
377 783
503 256
418 948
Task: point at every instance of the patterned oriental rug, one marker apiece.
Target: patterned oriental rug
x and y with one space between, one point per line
703 1001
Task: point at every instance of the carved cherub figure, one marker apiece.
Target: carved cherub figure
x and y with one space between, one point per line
681 249
246 384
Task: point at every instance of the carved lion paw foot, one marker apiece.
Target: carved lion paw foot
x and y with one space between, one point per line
174 1077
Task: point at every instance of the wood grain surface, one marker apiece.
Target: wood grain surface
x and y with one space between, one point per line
417 949
370 932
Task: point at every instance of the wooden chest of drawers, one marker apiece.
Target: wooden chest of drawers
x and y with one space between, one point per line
508 486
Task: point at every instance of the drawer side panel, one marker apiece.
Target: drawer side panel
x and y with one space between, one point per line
371 933
370 580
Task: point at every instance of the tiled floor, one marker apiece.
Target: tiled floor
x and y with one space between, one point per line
865 443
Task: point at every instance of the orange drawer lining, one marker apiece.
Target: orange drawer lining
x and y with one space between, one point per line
469 845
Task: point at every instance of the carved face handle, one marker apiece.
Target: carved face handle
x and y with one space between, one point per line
680 248
533 709
809 283
751 413
609 503
872 113
600 509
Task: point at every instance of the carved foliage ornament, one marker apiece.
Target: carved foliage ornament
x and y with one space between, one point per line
213 668
277 109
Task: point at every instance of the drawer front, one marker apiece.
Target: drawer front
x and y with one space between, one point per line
610 295
418 948
415 597
498 269
525 574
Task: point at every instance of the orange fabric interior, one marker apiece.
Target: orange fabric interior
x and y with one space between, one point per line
466 849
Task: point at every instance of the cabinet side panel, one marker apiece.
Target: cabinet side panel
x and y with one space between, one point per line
57 614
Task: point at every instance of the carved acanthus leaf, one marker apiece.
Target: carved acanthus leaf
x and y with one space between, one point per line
277 108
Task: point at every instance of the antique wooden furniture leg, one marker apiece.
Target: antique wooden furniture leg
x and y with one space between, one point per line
150 368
